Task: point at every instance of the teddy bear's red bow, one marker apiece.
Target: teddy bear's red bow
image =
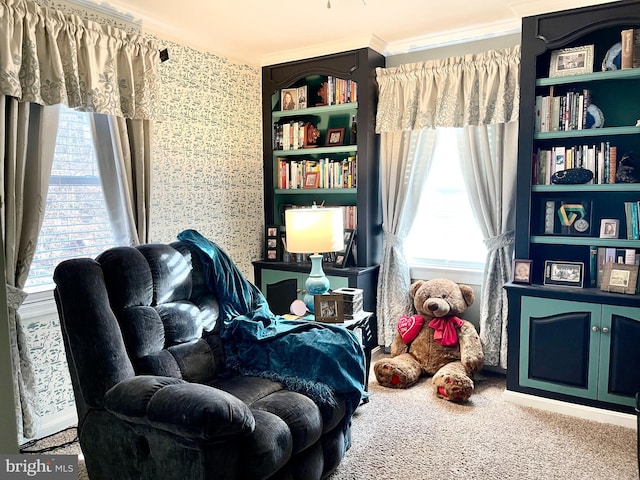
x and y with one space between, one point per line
445 330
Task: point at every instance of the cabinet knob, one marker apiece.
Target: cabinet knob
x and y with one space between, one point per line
594 328
605 330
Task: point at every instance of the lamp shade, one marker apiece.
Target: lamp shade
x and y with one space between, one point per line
314 230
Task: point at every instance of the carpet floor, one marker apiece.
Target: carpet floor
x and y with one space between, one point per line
411 434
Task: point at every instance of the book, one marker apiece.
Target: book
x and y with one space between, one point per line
630 55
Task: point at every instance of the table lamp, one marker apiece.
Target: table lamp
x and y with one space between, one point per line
316 231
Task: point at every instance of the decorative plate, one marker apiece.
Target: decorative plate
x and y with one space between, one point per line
613 58
595 118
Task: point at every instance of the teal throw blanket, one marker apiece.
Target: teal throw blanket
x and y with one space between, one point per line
316 359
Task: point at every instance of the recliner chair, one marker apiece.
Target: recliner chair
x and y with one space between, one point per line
154 399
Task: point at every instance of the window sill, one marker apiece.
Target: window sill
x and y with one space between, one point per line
38 304
467 276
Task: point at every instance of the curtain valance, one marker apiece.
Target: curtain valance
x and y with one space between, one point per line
48 58
476 89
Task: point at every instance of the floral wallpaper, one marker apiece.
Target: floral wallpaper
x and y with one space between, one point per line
207 175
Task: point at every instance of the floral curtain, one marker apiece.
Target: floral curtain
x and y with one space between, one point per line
475 89
49 58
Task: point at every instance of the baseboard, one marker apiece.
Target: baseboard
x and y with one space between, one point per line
55 423
572 409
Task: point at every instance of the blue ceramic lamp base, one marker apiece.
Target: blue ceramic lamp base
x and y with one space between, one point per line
317 283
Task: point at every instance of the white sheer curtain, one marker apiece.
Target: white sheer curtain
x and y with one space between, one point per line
123 149
489 164
402 176
476 89
48 58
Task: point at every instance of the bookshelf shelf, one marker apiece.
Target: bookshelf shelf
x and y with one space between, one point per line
627 74
321 110
588 132
316 191
301 152
585 241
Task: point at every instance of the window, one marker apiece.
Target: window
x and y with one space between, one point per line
445 233
75 223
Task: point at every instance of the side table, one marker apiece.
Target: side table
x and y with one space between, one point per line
365 327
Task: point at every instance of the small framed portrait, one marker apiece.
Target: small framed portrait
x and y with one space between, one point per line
571 61
521 271
302 97
620 278
272 243
289 99
609 227
328 308
342 257
335 136
312 180
566 274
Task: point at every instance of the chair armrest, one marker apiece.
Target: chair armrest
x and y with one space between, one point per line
190 410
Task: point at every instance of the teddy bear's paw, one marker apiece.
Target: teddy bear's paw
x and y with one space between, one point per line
389 375
453 387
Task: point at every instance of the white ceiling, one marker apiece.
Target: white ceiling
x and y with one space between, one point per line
268 32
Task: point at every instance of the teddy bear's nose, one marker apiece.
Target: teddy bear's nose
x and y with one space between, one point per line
432 306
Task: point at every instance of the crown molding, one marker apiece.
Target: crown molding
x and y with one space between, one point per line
452 37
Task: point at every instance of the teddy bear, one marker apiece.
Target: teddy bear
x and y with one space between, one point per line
435 342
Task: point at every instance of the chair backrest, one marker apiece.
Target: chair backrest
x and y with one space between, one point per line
137 310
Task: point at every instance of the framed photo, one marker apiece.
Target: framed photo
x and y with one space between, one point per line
335 136
566 274
328 308
609 227
567 217
620 278
571 61
342 257
289 99
521 271
312 180
302 97
272 243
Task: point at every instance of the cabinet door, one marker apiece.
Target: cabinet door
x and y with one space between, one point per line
619 355
559 347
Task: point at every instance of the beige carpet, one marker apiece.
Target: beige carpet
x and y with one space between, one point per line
412 435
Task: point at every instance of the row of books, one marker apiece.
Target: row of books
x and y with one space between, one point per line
562 112
322 173
341 91
630 54
600 159
632 220
290 136
601 255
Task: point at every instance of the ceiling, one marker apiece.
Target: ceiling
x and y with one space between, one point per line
268 32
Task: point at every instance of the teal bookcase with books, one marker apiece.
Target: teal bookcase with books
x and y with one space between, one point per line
320 148
579 110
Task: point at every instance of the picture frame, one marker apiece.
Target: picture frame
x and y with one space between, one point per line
302 97
521 271
609 228
272 243
567 217
289 99
620 278
312 180
342 257
564 274
335 136
571 61
329 308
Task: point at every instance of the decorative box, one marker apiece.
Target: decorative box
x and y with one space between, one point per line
352 301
